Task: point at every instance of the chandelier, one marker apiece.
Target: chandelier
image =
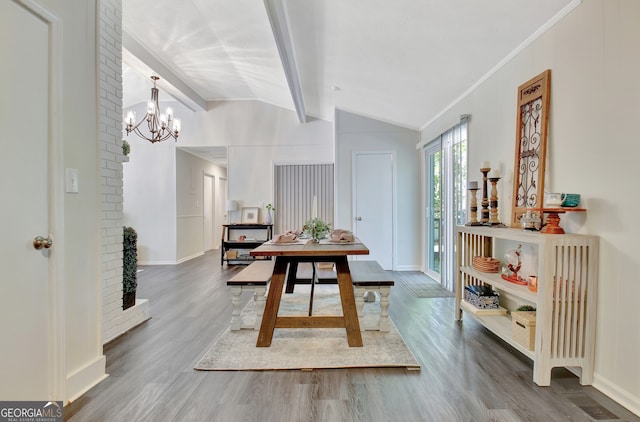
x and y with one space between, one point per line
161 126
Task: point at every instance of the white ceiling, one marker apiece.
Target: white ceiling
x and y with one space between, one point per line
400 61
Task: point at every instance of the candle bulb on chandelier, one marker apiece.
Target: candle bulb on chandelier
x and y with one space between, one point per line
131 118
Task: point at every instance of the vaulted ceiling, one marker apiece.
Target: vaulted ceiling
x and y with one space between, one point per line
400 61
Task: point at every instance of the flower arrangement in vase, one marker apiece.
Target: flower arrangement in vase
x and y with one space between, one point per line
269 219
316 229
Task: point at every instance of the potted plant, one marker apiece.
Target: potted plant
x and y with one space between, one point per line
269 219
129 267
126 148
316 229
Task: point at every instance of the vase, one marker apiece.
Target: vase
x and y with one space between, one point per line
268 219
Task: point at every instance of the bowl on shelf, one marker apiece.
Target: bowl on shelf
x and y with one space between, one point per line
552 199
570 199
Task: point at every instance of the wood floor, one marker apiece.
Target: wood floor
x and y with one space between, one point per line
467 373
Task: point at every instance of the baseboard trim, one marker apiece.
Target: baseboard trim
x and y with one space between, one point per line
85 378
180 261
408 268
623 397
157 262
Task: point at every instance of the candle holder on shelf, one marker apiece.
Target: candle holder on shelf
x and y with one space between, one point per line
473 207
484 219
493 218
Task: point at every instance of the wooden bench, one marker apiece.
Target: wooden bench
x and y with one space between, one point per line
255 277
368 276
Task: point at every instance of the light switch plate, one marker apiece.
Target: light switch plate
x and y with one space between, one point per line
71 180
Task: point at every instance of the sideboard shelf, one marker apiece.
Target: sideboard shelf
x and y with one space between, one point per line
497 282
263 233
565 301
499 325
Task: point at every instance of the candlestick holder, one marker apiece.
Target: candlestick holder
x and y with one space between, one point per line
473 208
493 218
484 219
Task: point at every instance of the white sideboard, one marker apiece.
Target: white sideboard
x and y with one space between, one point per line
567 270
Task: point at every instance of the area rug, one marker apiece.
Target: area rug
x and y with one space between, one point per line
306 349
421 285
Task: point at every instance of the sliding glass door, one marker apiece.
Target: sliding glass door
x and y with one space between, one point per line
445 163
433 209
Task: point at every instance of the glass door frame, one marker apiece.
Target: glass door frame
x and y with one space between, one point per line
432 149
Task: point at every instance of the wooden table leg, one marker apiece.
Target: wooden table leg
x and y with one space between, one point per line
349 311
291 278
273 303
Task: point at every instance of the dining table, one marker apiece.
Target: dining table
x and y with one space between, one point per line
307 250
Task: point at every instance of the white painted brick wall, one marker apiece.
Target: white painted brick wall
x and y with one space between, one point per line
115 321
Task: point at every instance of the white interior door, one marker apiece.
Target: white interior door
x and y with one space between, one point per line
222 200
208 210
27 321
373 204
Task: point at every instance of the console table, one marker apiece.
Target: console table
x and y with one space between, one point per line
230 241
565 298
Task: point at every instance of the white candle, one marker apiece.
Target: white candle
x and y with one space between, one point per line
485 165
495 173
472 185
314 209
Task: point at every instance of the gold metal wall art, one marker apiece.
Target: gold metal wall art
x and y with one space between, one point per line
531 146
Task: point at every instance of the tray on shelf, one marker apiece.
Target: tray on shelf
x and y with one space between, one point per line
514 279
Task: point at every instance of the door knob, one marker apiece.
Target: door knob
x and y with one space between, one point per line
359 218
40 242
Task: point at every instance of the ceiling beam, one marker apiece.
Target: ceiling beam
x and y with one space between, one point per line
280 28
144 62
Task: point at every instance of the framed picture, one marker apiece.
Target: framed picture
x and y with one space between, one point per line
531 146
250 215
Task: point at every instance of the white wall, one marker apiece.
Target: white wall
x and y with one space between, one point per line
257 135
115 320
149 194
594 59
357 133
160 194
190 172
